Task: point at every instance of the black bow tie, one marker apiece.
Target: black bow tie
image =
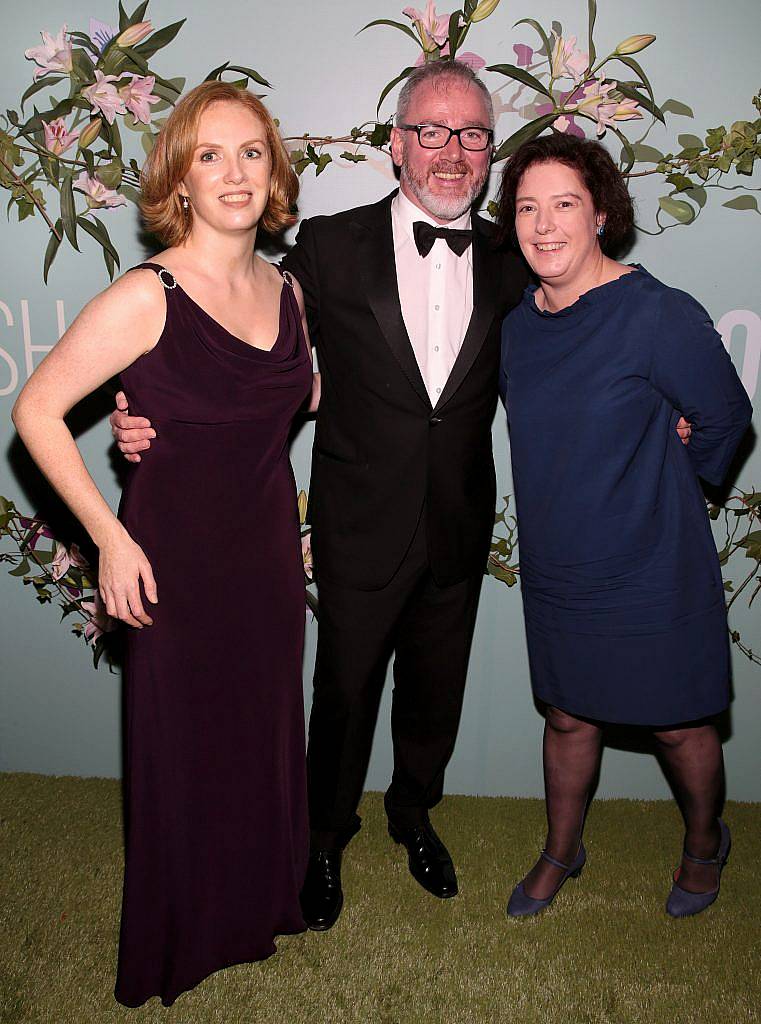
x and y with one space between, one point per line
426 234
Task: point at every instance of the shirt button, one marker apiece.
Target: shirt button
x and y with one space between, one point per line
438 266
435 348
438 391
436 307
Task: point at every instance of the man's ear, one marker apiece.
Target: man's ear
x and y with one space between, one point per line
397 146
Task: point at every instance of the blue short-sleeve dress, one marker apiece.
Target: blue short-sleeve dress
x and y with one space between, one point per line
622 589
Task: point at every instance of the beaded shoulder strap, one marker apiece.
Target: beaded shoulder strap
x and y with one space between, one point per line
164 275
287 277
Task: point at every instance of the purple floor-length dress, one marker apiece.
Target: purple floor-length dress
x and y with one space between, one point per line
217 834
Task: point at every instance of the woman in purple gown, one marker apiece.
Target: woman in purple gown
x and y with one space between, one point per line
204 561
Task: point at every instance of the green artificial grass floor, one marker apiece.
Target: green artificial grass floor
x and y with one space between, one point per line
604 952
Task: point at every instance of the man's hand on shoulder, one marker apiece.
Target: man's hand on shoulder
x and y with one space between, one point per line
133 434
684 429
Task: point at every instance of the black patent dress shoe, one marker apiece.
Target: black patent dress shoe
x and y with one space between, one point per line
429 860
322 896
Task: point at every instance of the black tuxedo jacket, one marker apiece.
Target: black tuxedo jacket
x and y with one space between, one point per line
382 452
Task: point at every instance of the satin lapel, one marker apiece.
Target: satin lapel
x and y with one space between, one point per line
486 268
377 267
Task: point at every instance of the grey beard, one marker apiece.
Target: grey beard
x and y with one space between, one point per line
442 207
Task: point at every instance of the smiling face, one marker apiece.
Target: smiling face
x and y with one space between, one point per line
228 184
556 223
444 183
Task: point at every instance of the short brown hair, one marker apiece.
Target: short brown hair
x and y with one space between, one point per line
595 167
171 158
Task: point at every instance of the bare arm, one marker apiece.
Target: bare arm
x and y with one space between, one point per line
113 330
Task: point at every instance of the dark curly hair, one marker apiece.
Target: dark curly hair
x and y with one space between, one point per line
596 169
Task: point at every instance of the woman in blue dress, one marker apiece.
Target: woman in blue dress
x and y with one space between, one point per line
622 590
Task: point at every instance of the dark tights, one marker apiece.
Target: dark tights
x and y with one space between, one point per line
692 760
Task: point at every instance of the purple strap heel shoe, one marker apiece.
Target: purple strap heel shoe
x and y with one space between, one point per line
682 903
521 904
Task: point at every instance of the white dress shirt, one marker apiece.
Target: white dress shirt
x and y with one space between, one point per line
435 292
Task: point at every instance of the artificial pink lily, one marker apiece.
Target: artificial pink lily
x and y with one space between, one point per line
134 34
64 558
98 196
567 60
99 621
471 59
102 96
54 54
57 138
306 554
607 113
432 28
138 98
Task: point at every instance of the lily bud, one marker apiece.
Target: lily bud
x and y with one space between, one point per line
134 34
89 134
634 44
483 9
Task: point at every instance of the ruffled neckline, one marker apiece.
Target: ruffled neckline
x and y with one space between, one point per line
595 297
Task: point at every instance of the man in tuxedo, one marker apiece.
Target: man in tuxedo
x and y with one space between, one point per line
404 299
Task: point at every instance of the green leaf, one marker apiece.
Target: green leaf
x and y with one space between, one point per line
51 168
676 107
592 10
690 142
21 569
677 209
214 75
130 193
454 33
637 69
392 24
400 78
646 154
169 89
380 135
520 75
542 34
680 181
528 131
250 73
322 162
714 138
42 83
354 158
690 154
627 159
68 211
97 230
111 174
131 56
742 203
82 67
52 248
644 101
110 265
159 39
745 164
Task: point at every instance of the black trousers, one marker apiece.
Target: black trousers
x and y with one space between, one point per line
429 630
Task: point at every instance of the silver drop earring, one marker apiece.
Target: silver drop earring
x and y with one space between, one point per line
185 203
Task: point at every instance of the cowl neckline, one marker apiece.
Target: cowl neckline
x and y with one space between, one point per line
599 297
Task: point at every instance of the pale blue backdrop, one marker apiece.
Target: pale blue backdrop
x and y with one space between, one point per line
59 716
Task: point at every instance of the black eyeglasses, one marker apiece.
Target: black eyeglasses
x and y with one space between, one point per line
436 136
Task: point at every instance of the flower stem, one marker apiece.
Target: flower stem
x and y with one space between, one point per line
33 198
